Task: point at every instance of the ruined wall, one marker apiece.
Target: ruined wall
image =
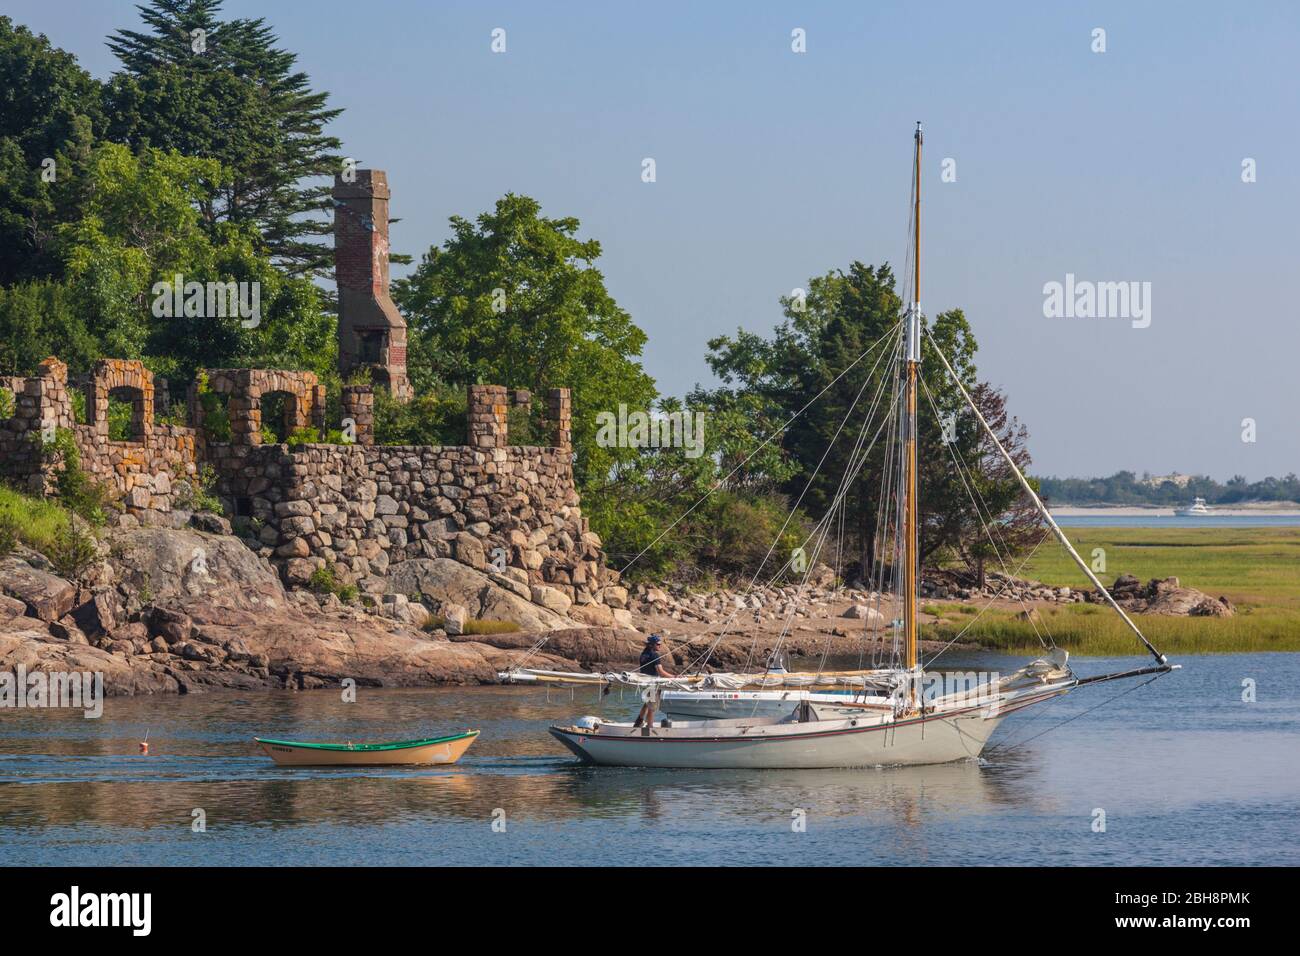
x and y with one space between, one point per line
511 511
139 472
359 509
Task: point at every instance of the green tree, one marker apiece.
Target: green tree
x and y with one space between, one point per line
49 111
224 90
515 298
143 226
830 346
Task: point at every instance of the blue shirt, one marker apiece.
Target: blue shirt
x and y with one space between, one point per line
650 659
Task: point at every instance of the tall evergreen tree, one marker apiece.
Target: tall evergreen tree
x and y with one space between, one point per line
223 89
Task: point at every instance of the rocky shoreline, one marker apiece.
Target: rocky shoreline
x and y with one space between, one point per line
182 610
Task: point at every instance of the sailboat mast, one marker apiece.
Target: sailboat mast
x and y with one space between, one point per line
913 347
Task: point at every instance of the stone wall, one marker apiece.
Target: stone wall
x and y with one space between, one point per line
140 472
359 509
510 511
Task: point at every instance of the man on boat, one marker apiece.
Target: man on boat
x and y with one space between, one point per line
652 666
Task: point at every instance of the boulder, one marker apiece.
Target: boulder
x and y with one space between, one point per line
46 596
551 598
453 616
863 612
446 580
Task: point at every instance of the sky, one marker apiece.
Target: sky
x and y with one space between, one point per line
773 166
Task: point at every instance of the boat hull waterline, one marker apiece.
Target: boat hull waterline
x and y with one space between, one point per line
426 752
783 745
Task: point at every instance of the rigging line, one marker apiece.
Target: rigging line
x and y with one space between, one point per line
875 576
989 525
988 604
747 459
807 486
1056 529
703 658
857 462
1109 700
987 511
883 540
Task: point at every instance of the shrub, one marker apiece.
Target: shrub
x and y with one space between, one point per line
75 489
6 404
74 551
195 493
216 412
322 581
437 417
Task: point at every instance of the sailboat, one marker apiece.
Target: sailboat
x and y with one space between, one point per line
881 716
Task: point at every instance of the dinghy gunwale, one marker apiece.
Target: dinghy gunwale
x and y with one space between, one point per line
394 745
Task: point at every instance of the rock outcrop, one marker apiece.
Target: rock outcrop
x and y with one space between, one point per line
180 610
1164 596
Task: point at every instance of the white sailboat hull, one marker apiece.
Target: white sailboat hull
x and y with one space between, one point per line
707 705
815 745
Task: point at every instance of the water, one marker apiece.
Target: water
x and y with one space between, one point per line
1186 773
1174 521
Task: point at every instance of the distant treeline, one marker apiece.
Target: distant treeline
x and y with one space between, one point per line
1126 488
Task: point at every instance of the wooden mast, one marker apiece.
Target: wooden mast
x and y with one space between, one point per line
913 346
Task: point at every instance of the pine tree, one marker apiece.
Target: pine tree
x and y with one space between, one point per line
222 89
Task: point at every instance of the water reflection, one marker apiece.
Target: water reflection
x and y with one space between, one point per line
1199 775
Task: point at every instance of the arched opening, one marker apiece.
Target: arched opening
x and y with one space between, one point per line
126 414
279 417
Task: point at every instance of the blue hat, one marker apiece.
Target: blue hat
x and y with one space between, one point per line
654 639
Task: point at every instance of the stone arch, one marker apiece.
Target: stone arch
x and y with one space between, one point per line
120 377
247 387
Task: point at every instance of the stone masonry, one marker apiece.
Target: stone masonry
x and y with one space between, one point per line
510 511
372 333
140 471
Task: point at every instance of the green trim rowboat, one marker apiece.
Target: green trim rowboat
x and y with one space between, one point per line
433 750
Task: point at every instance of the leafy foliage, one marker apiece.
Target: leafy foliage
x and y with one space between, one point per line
824 350
78 492
239 101
49 114
515 298
73 551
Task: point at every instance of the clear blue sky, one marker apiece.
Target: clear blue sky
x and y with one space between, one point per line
774 166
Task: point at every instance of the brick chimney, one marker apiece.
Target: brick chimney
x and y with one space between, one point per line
372 333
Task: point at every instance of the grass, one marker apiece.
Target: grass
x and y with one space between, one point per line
1258 569
36 523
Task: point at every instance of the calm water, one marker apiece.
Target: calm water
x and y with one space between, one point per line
1172 521
1186 772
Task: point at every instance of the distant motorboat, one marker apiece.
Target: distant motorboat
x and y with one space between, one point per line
1196 509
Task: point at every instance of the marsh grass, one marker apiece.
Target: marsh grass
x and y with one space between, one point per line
1258 569
474 625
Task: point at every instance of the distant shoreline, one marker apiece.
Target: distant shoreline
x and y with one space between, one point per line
1152 511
